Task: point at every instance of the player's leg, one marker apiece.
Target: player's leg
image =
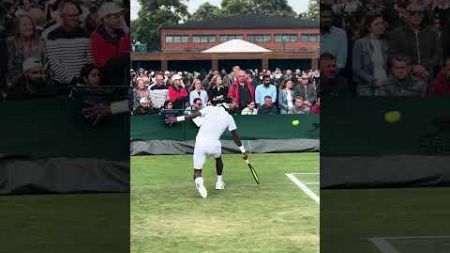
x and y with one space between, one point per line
199 158
220 185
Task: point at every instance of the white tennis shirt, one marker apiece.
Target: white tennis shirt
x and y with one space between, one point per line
215 120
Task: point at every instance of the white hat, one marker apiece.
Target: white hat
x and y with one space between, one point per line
167 73
176 76
108 8
143 100
31 63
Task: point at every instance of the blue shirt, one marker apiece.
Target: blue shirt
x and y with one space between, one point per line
335 43
261 91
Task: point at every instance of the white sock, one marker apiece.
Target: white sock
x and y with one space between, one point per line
219 178
199 180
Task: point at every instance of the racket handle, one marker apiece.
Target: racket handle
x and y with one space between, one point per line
247 161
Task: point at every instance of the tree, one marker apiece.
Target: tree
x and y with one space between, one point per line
153 15
205 11
256 7
313 10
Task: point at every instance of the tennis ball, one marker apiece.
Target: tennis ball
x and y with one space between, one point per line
392 116
295 122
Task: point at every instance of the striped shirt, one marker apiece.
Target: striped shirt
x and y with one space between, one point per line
67 53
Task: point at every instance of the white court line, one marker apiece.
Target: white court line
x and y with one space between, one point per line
384 246
304 188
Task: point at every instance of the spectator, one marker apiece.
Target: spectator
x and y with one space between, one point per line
306 89
233 76
300 106
315 109
370 56
250 109
90 76
331 84
177 94
442 81
139 92
168 111
31 84
332 39
109 40
268 107
286 97
217 92
402 83
198 92
24 44
241 91
196 105
68 46
159 83
417 41
265 89
144 106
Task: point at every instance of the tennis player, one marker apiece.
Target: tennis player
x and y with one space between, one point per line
214 121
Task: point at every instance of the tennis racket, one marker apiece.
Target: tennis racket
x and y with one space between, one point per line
253 171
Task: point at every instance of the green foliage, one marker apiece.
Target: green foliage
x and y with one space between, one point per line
205 11
153 15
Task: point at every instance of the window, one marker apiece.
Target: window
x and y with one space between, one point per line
227 37
172 39
204 38
286 38
310 37
259 38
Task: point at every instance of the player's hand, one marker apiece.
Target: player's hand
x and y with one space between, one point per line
244 156
171 120
97 112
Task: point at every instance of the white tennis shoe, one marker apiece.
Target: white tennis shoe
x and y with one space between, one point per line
220 185
200 187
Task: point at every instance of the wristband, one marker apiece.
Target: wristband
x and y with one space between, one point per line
180 118
242 149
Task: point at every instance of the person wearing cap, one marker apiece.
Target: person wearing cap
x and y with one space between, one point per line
177 92
31 84
109 40
68 46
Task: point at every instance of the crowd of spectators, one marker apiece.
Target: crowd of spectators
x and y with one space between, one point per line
246 92
49 46
384 48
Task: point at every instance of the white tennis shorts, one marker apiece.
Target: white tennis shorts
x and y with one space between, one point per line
200 153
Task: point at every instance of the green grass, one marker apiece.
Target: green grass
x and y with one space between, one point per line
79 223
350 217
167 215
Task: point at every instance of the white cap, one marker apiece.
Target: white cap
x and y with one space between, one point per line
143 100
167 73
176 76
108 8
31 63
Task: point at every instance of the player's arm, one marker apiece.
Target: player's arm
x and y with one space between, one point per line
238 142
171 120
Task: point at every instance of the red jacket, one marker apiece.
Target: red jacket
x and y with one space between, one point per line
233 90
441 84
175 94
105 48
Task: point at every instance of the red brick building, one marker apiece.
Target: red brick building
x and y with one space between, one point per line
289 39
